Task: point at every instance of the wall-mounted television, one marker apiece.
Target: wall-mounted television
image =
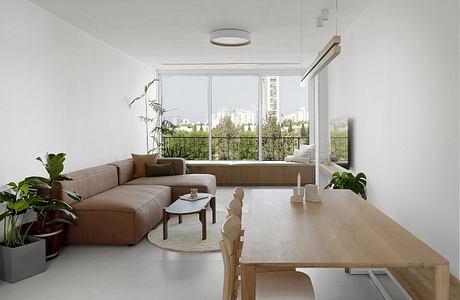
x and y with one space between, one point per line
339 139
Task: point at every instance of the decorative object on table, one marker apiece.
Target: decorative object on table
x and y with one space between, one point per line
311 193
348 181
160 126
189 197
194 192
298 192
21 256
54 212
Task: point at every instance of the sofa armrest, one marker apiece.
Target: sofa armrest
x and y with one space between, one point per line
178 164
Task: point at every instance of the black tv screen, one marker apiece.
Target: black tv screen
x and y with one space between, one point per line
340 142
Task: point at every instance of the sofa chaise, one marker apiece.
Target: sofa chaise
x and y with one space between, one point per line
118 209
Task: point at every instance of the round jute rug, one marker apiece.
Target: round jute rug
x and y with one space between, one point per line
186 237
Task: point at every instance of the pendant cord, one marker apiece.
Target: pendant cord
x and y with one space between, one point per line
301 33
336 12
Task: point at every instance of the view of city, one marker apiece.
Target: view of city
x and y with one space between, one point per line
235 117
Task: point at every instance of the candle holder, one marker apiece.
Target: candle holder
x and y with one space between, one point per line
298 194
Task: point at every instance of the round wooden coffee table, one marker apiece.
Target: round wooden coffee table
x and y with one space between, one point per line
182 207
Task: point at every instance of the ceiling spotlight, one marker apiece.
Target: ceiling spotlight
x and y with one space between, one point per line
230 37
319 22
325 14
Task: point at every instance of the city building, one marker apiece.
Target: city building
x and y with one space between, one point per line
271 96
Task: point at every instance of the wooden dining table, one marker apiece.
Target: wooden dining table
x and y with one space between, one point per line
341 231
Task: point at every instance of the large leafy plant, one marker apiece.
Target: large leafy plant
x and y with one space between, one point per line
348 181
159 126
53 210
18 199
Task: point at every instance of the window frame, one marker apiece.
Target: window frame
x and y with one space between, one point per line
209 73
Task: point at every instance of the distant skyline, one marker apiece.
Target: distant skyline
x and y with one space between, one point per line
187 96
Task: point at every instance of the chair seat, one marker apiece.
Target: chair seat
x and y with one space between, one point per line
290 285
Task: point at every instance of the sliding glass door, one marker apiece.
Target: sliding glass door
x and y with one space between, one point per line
218 116
235 118
186 101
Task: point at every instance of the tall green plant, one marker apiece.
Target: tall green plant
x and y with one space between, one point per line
348 181
18 199
53 210
159 125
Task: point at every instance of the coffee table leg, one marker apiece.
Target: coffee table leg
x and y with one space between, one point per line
213 208
165 224
203 223
180 219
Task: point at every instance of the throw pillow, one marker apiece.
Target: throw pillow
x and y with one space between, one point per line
139 163
153 170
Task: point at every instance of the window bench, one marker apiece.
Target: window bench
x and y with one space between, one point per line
254 173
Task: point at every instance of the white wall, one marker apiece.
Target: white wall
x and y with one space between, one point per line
62 90
397 80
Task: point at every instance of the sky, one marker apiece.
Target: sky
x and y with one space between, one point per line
187 96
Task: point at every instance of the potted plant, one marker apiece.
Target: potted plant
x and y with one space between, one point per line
53 213
21 256
347 180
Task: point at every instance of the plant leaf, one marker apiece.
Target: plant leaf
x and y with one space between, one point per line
135 99
146 88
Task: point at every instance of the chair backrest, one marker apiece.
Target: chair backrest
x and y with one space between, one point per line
235 208
229 247
238 193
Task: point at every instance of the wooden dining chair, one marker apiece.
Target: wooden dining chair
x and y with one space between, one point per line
238 193
288 285
235 208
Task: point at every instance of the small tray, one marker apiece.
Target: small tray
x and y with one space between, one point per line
188 197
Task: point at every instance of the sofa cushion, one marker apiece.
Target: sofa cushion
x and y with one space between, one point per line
122 215
180 184
125 170
155 170
90 182
139 163
178 163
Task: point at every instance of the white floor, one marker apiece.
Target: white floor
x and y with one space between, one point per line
147 272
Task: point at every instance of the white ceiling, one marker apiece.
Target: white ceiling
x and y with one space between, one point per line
177 31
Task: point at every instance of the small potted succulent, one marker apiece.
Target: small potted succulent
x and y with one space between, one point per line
347 180
52 213
21 256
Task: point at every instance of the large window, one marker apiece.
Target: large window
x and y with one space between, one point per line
218 116
186 101
234 118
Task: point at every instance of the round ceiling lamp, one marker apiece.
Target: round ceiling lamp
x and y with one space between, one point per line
230 37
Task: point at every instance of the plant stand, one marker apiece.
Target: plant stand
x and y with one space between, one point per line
22 262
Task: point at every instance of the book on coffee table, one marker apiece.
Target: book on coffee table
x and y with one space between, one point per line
188 197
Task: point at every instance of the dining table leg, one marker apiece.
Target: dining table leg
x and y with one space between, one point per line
441 282
248 282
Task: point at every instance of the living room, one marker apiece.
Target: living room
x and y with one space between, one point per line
268 114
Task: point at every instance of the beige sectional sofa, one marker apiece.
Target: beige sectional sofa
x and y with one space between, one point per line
118 209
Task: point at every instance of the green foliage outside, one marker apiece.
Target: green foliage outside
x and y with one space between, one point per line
339 144
231 142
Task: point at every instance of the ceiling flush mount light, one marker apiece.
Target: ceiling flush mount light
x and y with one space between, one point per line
230 37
